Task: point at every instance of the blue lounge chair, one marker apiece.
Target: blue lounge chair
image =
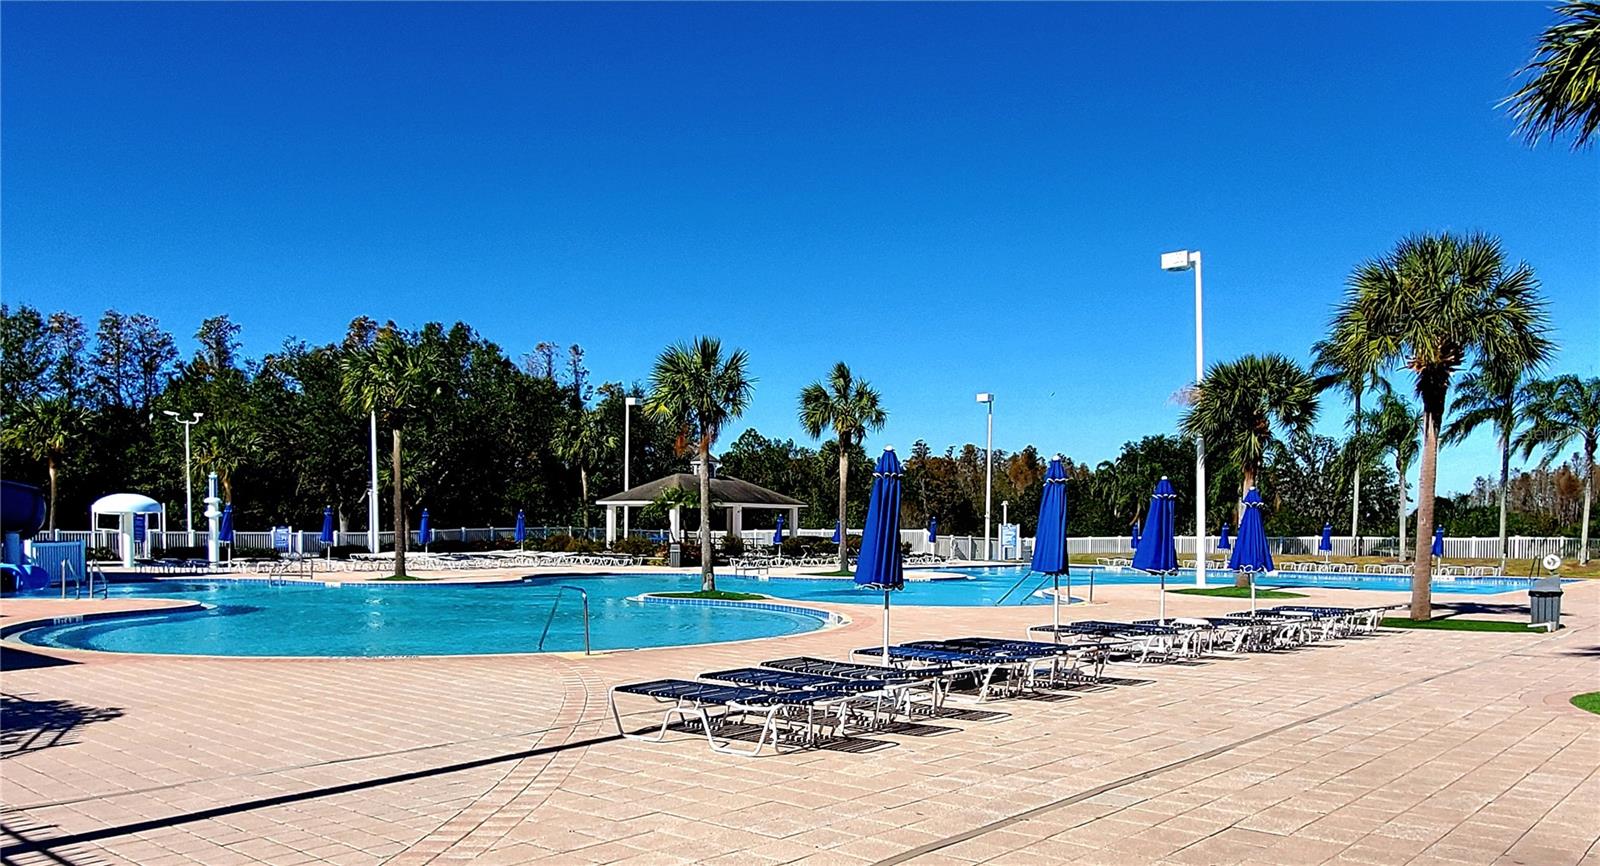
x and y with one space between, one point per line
990 670
711 704
933 678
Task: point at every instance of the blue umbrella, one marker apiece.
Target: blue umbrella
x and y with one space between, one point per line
933 530
327 530
836 528
521 532
424 531
1050 539
1438 541
1251 554
879 565
1158 552
1325 544
777 534
1133 536
1222 540
225 528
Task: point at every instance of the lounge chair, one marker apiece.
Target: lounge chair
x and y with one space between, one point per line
990 670
861 701
908 680
710 705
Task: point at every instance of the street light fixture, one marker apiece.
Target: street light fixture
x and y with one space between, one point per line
1189 260
627 453
988 475
188 474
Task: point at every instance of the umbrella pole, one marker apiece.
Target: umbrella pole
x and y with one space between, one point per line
1055 596
1252 593
1163 598
886 626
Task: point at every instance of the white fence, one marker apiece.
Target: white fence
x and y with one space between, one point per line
958 547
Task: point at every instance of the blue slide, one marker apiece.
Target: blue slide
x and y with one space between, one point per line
22 513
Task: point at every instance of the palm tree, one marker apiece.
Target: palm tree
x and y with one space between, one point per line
1562 90
393 377
225 445
1239 403
700 391
1338 363
850 407
46 429
1561 410
1491 395
1394 427
581 442
1436 302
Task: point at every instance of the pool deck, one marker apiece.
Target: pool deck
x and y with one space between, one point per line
1429 748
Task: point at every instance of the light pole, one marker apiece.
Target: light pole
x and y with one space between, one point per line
1189 260
988 475
188 480
627 453
372 492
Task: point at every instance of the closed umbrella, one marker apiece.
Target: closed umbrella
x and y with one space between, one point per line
1438 542
836 530
1325 544
424 531
933 530
1251 554
1133 536
879 565
1158 552
327 530
1222 540
225 528
777 534
521 532
1050 540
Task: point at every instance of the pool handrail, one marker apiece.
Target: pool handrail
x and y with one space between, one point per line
551 618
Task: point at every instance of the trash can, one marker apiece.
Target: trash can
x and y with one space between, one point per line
1544 602
674 555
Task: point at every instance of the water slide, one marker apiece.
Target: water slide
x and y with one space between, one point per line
22 513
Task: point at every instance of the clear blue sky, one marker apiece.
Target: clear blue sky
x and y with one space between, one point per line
951 198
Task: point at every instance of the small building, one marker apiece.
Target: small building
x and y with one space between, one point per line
732 495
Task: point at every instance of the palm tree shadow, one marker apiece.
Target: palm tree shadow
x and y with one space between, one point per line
33 725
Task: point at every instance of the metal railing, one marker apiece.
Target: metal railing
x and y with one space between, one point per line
551 618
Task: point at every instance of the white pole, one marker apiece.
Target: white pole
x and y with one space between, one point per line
372 492
886 626
627 454
188 488
988 481
1199 443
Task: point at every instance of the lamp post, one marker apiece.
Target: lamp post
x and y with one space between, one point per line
372 491
1189 260
988 475
188 473
627 453
1005 520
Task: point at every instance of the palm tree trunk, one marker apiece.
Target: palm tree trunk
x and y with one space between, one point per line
1355 484
399 508
1422 566
708 574
583 487
1400 549
1505 477
1243 578
844 534
1589 493
52 465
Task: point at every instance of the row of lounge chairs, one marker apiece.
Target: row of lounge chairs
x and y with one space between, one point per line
760 562
804 702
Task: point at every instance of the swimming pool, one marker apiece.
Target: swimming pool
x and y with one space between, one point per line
375 619
260 619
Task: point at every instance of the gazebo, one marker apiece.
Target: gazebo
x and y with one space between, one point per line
731 494
124 506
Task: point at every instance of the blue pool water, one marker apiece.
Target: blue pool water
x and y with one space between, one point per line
256 619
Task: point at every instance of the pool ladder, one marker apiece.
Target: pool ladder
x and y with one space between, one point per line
551 618
77 581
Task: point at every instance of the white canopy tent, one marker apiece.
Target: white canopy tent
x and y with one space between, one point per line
123 506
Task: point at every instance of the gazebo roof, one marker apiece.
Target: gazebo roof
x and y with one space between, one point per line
125 503
725 492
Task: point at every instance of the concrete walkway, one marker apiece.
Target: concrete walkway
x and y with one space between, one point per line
1409 747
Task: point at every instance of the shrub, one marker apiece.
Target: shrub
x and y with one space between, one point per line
732 546
635 545
102 554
